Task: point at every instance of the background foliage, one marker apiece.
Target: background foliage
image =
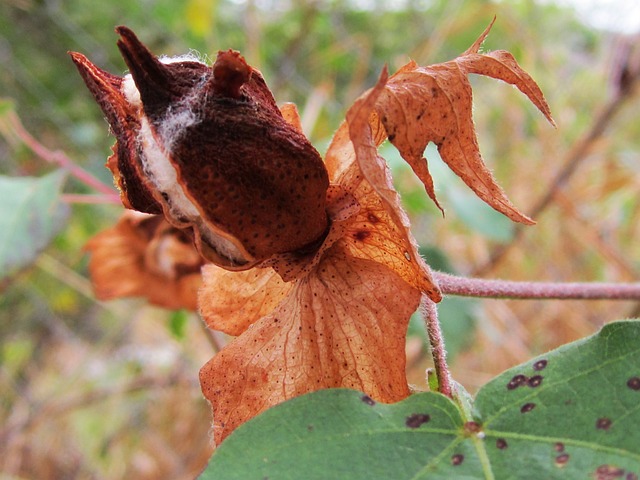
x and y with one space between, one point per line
109 390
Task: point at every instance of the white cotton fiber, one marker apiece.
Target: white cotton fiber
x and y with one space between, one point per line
192 56
131 92
158 168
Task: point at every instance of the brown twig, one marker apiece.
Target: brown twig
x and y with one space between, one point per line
585 232
476 287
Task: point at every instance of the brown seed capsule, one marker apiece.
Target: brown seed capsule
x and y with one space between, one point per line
209 148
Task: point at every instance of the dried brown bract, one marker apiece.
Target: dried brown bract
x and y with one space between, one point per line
143 256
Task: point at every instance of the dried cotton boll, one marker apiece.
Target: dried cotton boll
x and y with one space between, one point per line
208 147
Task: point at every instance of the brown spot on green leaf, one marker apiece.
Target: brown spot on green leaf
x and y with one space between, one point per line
501 443
472 427
634 383
561 460
540 365
457 459
608 472
368 400
535 381
603 423
517 381
527 407
416 420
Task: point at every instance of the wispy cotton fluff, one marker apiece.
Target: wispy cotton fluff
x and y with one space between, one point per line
158 148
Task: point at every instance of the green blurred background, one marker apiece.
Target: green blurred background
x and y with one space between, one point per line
110 390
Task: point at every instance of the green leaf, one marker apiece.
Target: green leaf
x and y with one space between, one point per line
584 414
30 215
583 424
341 434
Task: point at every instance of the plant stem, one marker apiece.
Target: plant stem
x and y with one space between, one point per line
430 314
87 199
57 157
477 287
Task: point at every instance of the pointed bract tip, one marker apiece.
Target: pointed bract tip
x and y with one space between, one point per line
476 45
76 57
384 74
125 31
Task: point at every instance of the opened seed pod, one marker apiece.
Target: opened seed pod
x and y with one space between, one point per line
208 147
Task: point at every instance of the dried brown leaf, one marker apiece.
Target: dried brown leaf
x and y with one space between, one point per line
342 326
381 230
232 301
143 256
419 105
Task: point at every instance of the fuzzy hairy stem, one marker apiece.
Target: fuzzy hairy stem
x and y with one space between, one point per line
477 287
429 312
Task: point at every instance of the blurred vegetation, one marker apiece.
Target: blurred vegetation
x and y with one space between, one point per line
110 390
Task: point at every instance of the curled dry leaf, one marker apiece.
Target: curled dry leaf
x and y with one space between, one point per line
418 105
143 256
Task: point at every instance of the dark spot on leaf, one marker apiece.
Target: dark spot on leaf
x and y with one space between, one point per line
634 383
603 423
527 407
540 365
608 472
310 428
517 381
535 381
457 459
392 137
368 400
361 234
559 447
501 443
472 427
631 476
417 419
562 459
